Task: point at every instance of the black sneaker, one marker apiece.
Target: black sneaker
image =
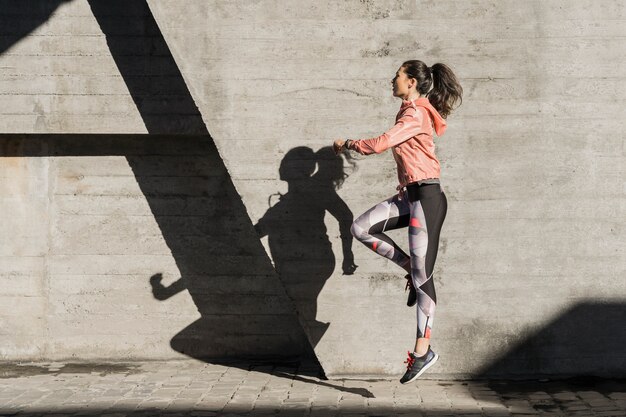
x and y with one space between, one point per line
412 293
416 365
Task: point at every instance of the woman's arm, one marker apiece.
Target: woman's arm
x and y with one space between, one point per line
407 126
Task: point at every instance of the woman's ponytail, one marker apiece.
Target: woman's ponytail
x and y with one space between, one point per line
446 91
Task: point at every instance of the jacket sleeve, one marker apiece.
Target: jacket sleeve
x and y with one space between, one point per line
407 126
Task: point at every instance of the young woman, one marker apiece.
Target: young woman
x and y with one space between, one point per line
428 96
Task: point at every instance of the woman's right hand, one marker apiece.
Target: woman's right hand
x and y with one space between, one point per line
338 146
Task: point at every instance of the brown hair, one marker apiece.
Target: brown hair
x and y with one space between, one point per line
446 90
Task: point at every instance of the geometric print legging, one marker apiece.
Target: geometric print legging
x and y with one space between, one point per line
422 208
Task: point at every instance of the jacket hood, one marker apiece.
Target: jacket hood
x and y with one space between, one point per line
438 121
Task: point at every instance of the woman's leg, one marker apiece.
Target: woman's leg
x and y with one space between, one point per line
368 228
426 218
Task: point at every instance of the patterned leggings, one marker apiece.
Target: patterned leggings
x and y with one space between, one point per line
422 208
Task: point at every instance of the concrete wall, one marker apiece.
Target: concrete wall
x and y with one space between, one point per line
532 164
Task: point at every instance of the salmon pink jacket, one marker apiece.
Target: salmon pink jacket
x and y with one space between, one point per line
411 140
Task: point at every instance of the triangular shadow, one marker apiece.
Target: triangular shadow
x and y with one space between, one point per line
582 349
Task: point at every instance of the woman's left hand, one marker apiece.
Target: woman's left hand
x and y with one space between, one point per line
338 146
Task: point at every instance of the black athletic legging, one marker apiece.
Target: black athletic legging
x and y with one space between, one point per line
422 208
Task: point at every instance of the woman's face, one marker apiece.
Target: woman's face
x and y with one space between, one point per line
402 84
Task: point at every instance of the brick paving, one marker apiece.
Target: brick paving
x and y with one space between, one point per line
194 388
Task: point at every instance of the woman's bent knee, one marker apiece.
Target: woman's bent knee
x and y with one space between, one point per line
357 231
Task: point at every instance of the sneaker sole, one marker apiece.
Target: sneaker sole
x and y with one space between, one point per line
424 369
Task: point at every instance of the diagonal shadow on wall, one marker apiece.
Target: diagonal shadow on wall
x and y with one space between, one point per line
147 66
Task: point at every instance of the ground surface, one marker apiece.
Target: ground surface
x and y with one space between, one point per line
202 389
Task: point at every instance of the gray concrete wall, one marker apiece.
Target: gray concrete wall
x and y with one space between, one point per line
532 164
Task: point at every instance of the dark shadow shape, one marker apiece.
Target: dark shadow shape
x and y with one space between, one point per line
588 339
19 18
296 231
363 392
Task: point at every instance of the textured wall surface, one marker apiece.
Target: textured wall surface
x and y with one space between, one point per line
531 263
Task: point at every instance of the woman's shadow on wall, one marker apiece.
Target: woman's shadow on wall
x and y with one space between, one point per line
297 234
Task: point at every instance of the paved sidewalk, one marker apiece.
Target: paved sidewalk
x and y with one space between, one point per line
196 388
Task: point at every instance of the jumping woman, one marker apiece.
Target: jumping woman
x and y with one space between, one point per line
428 96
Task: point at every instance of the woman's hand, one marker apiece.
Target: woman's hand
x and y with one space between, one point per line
338 146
